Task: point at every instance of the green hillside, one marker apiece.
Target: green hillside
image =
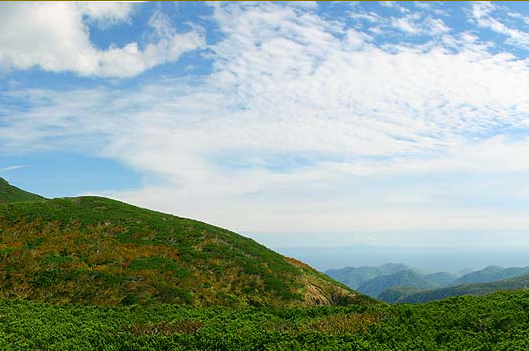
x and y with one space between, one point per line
9 193
100 251
517 283
376 286
353 277
490 274
395 293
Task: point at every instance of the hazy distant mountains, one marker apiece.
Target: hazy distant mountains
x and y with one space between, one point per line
491 274
356 276
428 259
396 283
478 289
442 278
410 278
374 280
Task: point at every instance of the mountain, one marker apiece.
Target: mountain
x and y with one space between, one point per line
376 286
473 283
394 294
478 289
100 251
490 274
9 193
356 276
464 271
440 278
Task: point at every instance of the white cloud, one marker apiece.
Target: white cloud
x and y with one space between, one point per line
423 5
369 16
481 13
394 5
416 24
408 22
107 13
387 3
298 114
12 168
306 5
436 26
55 37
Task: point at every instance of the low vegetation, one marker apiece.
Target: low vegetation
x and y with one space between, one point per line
494 322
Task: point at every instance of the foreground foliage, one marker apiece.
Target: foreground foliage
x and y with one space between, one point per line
495 322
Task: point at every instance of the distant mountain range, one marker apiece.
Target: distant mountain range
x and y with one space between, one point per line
490 274
356 276
376 286
374 280
406 284
428 259
441 278
478 289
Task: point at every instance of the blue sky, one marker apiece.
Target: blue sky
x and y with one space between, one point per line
303 123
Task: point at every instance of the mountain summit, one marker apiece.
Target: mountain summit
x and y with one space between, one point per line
101 251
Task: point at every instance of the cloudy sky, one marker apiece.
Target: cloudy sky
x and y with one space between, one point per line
294 123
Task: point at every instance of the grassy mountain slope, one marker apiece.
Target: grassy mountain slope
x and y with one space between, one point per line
100 251
9 193
478 289
491 274
376 286
353 277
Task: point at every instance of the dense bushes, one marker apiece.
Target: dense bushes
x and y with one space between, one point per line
495 322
